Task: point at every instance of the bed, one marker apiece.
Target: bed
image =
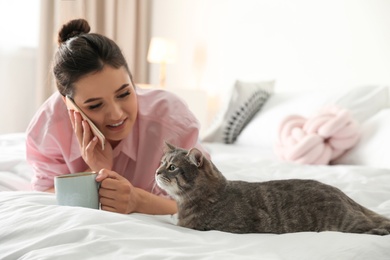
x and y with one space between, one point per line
33 226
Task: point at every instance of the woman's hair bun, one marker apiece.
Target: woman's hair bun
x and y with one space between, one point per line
73 28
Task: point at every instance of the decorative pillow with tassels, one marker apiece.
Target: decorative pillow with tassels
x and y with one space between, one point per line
246 100
319 139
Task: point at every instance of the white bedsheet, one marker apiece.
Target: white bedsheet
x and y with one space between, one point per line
34 227
15 173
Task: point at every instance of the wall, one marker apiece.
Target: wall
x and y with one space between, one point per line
17 84
19 26
303 44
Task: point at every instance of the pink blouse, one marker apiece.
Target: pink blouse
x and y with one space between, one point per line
53 149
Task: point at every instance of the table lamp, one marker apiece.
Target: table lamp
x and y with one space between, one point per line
162 51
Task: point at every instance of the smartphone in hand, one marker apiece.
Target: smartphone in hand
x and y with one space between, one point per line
72 105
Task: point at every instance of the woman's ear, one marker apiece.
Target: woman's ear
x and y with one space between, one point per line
196 157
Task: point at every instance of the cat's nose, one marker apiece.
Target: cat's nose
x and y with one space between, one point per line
159 169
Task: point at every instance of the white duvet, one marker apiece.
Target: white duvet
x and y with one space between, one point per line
32 226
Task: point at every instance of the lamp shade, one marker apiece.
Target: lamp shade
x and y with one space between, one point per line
162 50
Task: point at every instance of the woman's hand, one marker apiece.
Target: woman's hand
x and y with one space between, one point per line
92 153
116 193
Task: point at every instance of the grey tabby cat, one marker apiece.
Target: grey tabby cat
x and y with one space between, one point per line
208 201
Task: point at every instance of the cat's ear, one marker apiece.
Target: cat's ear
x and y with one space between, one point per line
169 147
196 157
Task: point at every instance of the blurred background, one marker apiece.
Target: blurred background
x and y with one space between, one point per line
200 47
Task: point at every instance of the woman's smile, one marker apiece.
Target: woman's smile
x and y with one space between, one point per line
117 126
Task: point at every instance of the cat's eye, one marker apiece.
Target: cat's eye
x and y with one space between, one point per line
171 167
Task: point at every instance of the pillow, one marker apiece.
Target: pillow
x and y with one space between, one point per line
319 139
372 149
362 102
246 100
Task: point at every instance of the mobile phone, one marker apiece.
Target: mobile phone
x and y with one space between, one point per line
72 105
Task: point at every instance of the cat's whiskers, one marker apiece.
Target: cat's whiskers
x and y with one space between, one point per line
154 186
167 184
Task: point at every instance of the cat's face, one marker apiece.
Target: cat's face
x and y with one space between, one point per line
178 171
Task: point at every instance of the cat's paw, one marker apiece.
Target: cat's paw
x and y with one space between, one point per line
378 231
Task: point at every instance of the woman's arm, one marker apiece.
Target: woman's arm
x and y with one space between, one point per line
152 204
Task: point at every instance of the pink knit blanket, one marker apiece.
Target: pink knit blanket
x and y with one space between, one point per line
316 140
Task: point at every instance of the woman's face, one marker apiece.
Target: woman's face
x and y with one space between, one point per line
108 98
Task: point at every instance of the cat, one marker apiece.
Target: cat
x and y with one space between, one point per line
206 200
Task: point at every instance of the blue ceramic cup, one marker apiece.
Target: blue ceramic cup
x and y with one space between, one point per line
77 189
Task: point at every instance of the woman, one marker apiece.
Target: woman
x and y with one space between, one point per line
91 70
